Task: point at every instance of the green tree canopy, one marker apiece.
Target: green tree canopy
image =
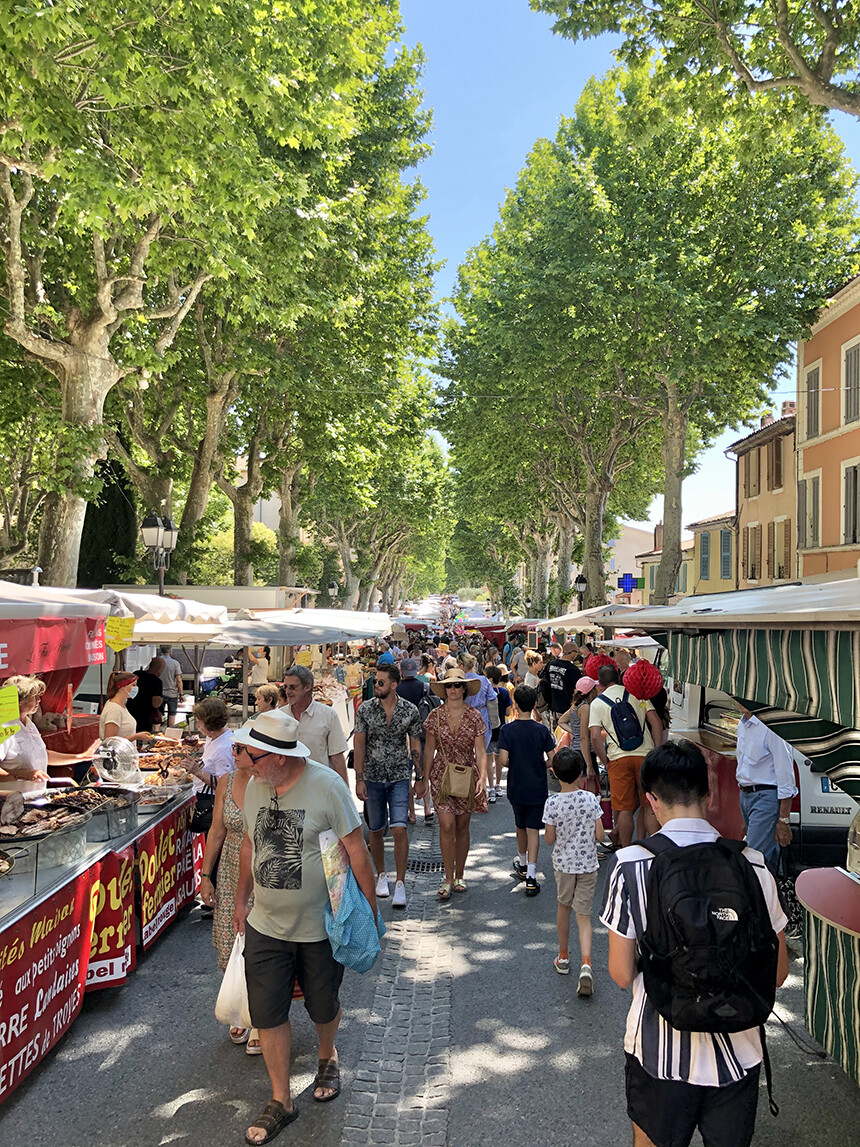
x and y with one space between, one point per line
813 48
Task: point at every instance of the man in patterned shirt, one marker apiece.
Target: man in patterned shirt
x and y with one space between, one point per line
677 1081
387 744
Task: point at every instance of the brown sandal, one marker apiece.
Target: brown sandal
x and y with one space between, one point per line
274 1119
328 1075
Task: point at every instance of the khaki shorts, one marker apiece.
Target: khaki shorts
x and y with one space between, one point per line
624 790
576 890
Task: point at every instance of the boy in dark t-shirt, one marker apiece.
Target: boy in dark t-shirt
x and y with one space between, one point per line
526 748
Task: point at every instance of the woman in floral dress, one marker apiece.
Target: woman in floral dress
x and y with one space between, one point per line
223 845
455 734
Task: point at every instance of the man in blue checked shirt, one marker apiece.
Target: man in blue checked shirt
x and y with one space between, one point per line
765 775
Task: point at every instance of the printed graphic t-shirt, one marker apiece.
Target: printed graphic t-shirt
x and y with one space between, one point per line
573 815
290 892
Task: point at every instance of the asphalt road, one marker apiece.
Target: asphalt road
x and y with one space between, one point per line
147 1064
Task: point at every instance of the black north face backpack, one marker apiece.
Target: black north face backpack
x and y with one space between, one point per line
709 951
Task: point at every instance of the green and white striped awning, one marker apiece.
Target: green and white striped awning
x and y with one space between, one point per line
804 684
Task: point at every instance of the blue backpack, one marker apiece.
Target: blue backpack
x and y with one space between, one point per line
628 731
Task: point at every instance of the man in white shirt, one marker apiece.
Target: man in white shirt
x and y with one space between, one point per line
677 1080
319 726
622 765
765 775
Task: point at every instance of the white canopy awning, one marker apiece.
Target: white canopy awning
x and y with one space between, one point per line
28 602
831 605
595 615
149 607
302 627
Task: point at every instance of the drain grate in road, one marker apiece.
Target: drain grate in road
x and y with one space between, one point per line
415 864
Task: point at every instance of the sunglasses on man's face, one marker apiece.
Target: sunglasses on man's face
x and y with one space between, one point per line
253 759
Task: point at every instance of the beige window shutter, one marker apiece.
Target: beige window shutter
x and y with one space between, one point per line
745 551
786 540
771 548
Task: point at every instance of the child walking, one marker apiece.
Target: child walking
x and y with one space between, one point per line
525 749
574 826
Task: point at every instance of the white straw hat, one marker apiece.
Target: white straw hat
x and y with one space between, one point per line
274 730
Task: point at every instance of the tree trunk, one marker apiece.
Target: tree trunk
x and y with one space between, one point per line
596 499
565 549
365 595
89 375
674 451
243 522
288 528
541 569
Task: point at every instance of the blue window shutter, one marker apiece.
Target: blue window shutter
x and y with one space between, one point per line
705 556
725 554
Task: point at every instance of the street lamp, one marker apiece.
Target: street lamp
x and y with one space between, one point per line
331 589
160 536
580 584
528 605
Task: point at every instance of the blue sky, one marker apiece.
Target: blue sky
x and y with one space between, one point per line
497 80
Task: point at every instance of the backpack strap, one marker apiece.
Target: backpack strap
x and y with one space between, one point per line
657 843
768 1074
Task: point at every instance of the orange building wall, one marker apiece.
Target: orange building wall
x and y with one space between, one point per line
829 454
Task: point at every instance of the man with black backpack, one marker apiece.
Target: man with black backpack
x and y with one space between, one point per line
623 730
425 700
705 916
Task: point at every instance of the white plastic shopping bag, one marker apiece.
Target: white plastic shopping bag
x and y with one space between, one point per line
231 1007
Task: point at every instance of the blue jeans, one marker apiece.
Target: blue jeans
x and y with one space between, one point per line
761 812
387 803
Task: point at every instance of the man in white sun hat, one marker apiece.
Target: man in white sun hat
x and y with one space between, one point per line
289 801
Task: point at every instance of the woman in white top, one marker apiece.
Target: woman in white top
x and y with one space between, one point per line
259 665
116 721
211 715
266 698
24 755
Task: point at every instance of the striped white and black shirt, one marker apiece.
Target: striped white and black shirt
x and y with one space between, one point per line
704 1058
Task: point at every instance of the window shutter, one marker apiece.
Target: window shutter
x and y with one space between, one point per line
745 552
705 556
815 536
849 504
812 392
770 465
852 384
651 576
786 548
857 503
747 470
758 570
725 554
771 548
802 526
777 463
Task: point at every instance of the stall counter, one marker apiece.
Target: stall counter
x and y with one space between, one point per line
73 929
831 948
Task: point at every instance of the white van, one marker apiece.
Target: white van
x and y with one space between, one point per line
820 814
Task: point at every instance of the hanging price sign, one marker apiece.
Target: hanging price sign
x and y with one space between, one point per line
119 632
9 711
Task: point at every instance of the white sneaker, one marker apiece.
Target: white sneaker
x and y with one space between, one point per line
399 898
491 795
586 981
382 887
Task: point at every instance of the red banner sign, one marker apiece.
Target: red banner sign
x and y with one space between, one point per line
112 953
165 864
43 966
47 643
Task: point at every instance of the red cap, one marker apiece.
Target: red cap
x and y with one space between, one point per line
643 680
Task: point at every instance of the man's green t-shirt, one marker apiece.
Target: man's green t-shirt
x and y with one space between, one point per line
290 892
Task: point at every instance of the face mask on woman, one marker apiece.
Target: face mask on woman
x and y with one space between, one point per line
132 692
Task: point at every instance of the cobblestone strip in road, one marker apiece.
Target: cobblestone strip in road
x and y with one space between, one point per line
400 1093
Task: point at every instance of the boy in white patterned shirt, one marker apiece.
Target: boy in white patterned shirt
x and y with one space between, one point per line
574 825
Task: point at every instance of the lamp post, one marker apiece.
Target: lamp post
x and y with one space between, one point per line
580 584
331 589
160 537
528 605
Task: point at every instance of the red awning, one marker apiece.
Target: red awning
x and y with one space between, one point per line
44 644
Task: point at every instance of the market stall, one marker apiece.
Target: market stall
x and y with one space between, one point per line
792 654
73 912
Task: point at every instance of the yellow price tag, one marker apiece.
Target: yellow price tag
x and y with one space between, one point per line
303 657
9 707
119 633
7 731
